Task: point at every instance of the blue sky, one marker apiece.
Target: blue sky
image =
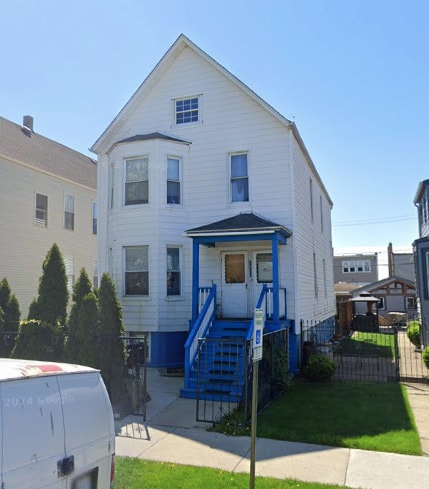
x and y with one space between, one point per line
353 75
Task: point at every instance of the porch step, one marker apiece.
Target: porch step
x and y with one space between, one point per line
229 329
221 363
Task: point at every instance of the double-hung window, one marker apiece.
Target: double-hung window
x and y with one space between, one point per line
69 265
186 110
69 212
94 218
173 271
239 178
41 209
136 270
173 181
136 181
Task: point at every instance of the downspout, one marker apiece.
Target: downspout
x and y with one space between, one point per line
275 255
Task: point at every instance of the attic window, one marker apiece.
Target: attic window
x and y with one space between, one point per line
186 110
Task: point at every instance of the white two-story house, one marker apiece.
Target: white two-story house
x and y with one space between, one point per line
208 203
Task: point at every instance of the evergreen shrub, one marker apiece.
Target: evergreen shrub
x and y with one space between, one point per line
413 333
319 368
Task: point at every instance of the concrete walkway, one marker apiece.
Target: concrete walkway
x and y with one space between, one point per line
171 434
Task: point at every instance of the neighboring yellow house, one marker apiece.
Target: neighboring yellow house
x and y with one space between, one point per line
48 196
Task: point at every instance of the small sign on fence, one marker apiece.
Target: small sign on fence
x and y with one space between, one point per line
258 334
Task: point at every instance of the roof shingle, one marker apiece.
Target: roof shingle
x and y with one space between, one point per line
34 150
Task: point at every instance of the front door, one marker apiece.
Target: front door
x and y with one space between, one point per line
235 273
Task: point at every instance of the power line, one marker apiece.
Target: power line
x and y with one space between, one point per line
367 222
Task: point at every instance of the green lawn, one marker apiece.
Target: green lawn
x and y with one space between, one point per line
376 344
133 473
367 416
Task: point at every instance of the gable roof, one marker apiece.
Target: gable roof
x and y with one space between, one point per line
21 145
383 282
241 223
181 43
152 135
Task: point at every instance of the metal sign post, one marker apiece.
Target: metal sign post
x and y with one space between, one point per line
258 333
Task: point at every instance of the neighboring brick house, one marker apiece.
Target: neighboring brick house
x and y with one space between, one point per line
207 193
48 196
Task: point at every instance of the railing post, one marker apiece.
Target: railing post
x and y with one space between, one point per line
195 278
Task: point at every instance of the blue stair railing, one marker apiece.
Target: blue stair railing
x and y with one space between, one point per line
207 312
214 364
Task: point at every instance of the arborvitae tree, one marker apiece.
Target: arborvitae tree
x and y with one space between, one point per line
2 335
81 288
89 330
112 349
4 293
51 304
37 340
10 318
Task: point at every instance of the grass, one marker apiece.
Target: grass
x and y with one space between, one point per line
376 344
136 474
344 414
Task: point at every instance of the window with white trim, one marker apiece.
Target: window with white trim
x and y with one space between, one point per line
136 181
186 110
69 212
316 287
94 218
325 289
69 265
173 271
95 273
411 303
426 289
173 180
41 213
136 271
239 178
356 266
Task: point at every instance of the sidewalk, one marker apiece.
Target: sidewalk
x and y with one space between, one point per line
172 435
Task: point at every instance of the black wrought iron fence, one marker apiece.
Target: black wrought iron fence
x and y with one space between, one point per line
231 395
43 346
370 352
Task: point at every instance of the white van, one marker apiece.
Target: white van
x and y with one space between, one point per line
56 427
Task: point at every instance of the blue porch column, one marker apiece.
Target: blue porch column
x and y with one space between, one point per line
275 255
195 277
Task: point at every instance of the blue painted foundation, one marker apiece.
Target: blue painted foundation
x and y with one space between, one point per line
167 349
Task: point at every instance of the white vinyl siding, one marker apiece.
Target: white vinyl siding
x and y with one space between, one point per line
278 174
18 204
